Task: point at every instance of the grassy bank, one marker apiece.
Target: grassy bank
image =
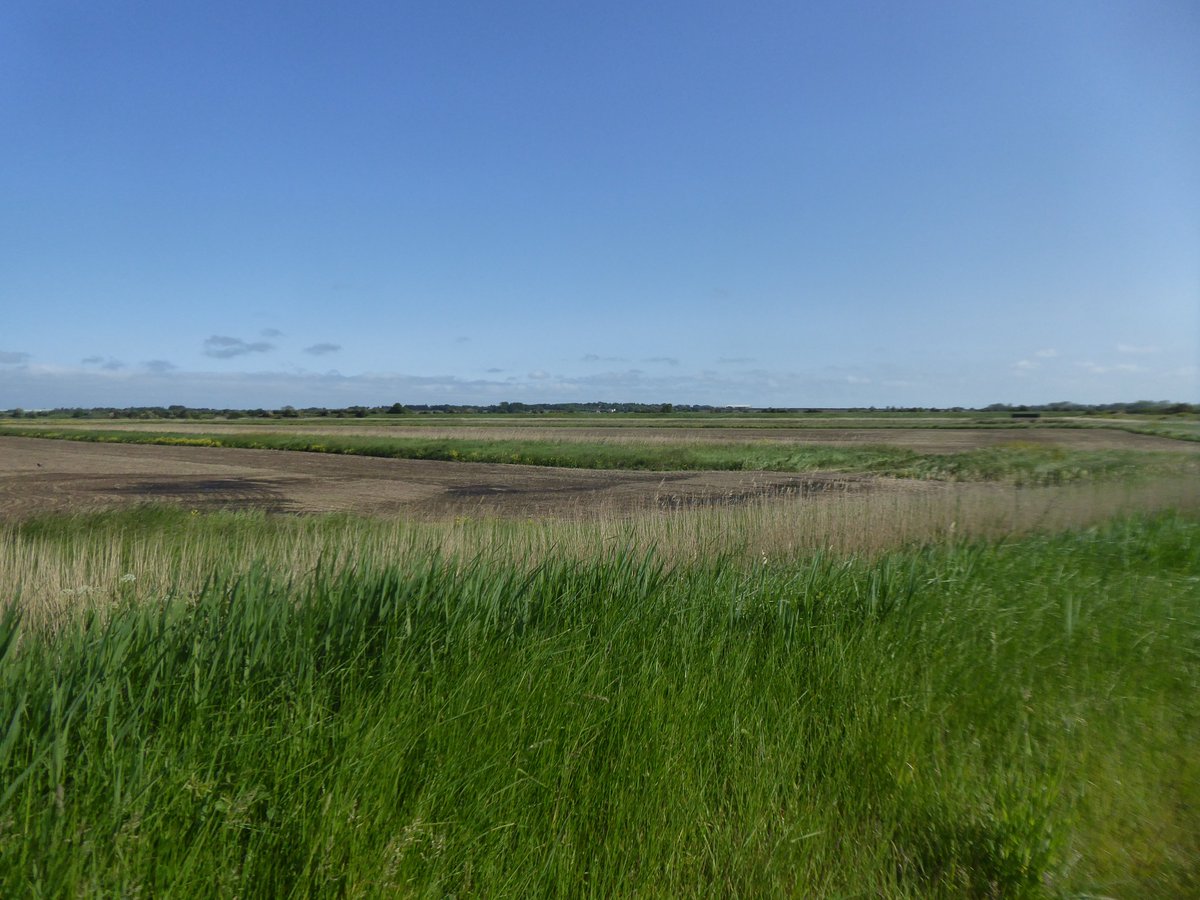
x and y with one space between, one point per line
1015 717
1018 463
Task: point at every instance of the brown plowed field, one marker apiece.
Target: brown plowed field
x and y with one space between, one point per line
39 476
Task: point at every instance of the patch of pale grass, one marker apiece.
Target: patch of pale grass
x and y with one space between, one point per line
109 559
860 523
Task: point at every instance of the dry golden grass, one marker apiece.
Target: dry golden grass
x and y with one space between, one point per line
147 555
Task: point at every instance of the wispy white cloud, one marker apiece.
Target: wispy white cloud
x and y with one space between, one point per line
1136 349
1098 369
158 382
1026 365
221 346
1047 353
322 348
49 386
107 363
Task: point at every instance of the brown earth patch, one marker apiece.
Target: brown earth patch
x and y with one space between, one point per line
42 476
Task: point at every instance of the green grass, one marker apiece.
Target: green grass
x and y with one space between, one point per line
1177 429
1020 463
1006 719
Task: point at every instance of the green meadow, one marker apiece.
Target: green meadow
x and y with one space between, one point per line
1015 716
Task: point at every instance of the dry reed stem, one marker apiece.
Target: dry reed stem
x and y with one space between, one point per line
54 576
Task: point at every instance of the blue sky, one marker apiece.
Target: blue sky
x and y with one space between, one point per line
258 204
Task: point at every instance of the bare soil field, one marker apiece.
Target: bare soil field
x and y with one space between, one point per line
42 476
922 440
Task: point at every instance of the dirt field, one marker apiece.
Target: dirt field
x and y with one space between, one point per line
923 440
39 476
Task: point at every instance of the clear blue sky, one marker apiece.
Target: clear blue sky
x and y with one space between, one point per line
928 203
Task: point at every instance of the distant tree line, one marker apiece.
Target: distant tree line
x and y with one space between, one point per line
176 411
1142 407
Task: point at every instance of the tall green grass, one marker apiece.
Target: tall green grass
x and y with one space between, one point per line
993 719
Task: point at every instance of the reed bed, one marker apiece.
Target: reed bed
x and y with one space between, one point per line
1010 717
59 564
935 689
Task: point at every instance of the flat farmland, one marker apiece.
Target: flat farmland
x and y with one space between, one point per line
853 662
932 439
41 476
539 467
